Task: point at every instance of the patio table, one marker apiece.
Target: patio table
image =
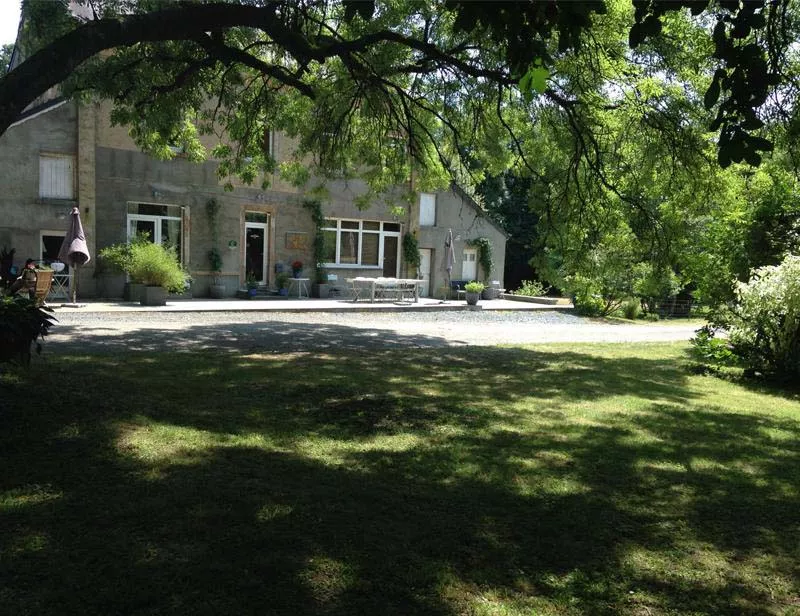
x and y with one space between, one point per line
383 288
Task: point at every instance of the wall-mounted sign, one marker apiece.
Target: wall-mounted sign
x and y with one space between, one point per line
233 244
296 240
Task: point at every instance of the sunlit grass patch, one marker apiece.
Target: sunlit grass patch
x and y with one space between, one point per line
566 479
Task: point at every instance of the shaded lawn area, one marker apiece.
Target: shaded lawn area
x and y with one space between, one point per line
599 479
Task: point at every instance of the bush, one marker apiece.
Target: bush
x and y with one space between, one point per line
532 288
474 287
590 304
764 325
157 266
22 323
117 258
631 309
710 350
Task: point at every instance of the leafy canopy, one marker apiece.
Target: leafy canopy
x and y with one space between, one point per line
361 85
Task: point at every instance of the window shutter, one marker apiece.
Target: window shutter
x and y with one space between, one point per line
56 176
427 210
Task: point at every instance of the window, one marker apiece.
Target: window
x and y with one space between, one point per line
356 243
163 224
469 267
268 142
427 209
56 176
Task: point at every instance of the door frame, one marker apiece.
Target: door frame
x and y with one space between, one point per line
269 238
427 292
265 258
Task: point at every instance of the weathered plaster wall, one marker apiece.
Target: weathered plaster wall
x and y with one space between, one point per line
453 211
22 214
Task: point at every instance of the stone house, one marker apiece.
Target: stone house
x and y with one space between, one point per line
62 154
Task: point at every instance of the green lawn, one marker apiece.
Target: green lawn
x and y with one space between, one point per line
580 479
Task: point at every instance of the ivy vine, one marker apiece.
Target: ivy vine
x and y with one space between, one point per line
484 247
212 212
318 243
411 250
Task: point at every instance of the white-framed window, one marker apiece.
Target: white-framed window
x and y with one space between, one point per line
469 266
427 209
269 142
163 224
56 176
357 243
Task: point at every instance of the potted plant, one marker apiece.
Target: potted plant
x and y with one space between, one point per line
117 258
216 289
282 282
473 292
321 288
22 323
297 268
157 267
252 285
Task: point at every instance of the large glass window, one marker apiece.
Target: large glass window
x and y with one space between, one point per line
357 243
163 224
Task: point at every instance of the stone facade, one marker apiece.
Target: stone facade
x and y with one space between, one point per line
119 189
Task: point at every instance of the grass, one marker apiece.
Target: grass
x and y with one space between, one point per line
577 479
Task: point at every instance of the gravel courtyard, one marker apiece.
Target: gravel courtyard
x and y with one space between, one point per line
291 331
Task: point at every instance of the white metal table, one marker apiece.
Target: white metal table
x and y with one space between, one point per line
301 284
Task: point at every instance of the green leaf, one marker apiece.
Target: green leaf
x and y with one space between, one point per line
712 95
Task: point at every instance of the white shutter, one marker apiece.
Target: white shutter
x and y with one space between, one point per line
56 176
427 210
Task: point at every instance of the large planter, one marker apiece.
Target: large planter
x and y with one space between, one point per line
472 298
490 293
133 291
217 291
154 296
321 290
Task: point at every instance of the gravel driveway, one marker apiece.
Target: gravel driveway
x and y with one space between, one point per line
289 331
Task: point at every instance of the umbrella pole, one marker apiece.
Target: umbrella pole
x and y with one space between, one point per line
73 287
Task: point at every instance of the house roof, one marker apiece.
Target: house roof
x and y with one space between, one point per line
467 198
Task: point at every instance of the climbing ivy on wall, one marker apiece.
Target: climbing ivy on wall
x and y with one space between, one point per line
411 250
314 207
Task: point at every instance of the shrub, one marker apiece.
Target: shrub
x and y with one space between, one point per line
710 350
532 288
764 326
22 323
118 256
156 265
631 309
590 305
474 287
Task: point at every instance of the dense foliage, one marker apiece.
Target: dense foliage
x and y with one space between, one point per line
147 263
764 325
22 323
363 84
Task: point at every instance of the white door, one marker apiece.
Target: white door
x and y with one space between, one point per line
424 272
469 267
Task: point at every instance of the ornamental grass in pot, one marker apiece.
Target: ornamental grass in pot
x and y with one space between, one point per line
156 266
473 292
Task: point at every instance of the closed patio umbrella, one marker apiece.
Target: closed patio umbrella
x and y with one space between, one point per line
74 251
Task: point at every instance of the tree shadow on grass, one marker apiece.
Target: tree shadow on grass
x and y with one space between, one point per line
485 501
